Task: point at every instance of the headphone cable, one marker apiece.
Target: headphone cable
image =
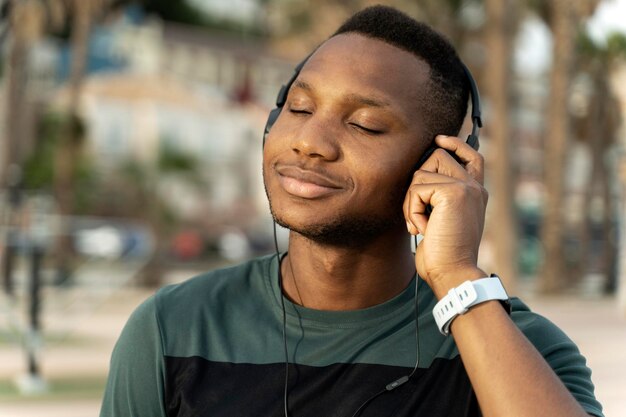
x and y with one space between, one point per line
282 301
389 387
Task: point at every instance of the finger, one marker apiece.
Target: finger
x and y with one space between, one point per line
423 192
413 230
452 194
473 160
443 163
415 221
414 208
427 177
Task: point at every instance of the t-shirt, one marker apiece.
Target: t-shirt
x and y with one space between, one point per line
214 346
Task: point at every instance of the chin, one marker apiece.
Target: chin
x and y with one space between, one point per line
342 230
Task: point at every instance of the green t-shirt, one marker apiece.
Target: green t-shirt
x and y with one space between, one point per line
213 346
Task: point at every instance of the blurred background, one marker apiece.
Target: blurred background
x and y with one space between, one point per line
130 158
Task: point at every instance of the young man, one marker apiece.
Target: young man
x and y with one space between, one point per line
340 325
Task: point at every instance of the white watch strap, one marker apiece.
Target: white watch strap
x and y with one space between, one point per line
462 298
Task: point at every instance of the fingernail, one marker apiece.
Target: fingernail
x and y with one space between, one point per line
408 227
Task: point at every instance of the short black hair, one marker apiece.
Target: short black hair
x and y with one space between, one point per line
445 103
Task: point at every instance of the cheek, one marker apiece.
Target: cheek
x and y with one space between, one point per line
383 185
269 149
389 170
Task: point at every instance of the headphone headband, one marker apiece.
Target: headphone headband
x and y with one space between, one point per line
284 89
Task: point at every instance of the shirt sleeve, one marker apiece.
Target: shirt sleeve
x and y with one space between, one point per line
563 356
135 386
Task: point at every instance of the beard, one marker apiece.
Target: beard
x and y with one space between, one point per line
350 230
343 231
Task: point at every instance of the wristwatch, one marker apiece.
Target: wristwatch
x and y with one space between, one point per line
470 293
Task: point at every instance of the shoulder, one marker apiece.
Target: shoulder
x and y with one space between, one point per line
542 333
201 315
213 286
552 342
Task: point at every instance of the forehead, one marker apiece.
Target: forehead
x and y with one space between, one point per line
352 63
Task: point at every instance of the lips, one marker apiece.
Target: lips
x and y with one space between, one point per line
306 183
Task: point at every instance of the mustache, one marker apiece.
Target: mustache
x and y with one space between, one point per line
311 174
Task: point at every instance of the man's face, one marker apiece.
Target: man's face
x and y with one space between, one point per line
337 161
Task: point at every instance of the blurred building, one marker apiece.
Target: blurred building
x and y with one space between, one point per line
154 84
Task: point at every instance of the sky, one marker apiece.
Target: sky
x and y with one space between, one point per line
534 43
242 10
609 17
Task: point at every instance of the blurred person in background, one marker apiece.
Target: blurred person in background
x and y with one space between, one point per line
350 321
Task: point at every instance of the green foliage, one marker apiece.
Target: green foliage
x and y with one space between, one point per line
132 171
180 11
606 52
139 183
175 10
616 45
86 187
173 161
586 46
40 165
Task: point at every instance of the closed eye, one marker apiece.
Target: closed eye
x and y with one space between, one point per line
299 111
366 129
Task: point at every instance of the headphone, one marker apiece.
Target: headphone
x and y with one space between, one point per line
472 138
281 98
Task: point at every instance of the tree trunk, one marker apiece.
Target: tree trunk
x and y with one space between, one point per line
610 119
69 148
499 34
15 84
557 132
10 176
25 26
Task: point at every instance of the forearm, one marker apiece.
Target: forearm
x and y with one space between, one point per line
507 373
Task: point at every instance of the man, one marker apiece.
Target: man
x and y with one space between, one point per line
340 326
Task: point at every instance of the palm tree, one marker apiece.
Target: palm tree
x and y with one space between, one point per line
25 23
499 33
83 14
598 130
563 17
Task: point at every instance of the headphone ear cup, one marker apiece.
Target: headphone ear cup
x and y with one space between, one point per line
271 119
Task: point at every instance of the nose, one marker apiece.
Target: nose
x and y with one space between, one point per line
316 139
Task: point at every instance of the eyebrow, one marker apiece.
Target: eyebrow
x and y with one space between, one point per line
352 98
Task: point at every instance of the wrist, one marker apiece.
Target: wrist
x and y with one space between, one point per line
452 279
459 300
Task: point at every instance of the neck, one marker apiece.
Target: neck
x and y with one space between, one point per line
326 277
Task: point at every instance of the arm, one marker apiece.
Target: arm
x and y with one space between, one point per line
135 383
509 376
